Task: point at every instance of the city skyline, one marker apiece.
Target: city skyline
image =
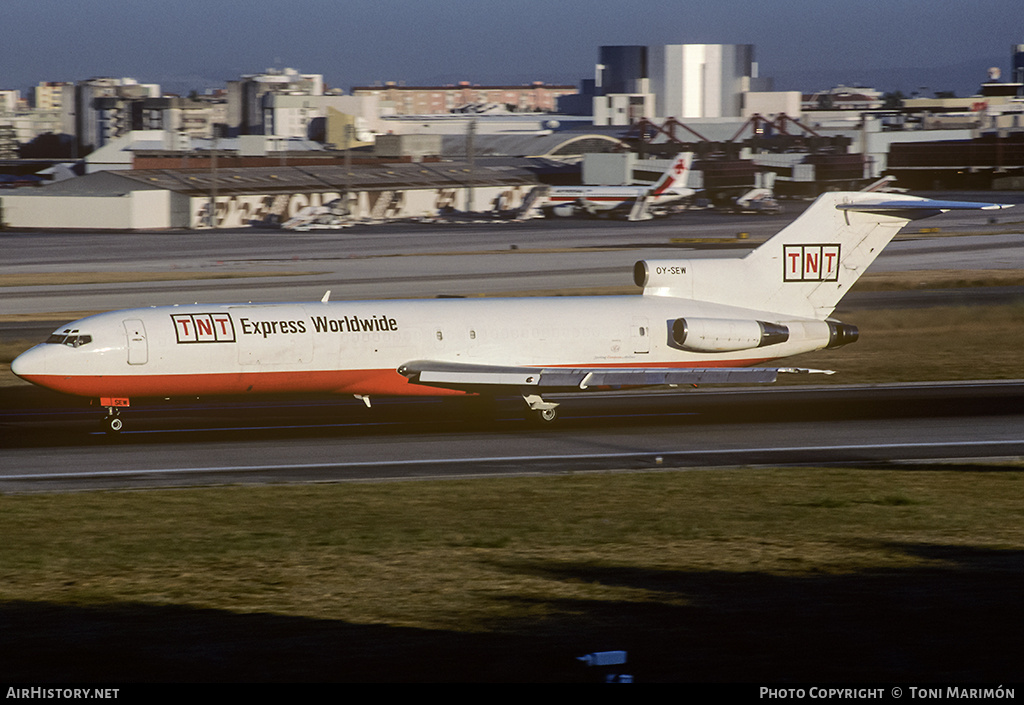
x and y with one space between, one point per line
908 45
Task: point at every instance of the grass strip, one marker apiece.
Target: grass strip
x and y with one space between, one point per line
804 574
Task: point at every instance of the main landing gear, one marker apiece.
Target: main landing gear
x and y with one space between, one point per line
546 415
543 412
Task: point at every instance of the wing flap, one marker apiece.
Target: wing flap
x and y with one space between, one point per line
470 377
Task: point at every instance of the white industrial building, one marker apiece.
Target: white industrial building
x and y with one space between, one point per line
307 116
101 111
156 199
104 201
246 106
701 80
682 81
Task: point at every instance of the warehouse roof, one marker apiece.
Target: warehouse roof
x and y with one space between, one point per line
558 144
103 183
426 175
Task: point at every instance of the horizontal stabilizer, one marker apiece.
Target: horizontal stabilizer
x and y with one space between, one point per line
917 209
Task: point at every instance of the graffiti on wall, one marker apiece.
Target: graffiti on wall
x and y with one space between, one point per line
241 211
269 210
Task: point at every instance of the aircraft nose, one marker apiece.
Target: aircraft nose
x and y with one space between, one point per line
31 362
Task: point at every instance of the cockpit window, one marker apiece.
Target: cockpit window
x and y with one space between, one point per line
71 338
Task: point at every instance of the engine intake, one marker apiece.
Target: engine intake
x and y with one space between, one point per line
726 334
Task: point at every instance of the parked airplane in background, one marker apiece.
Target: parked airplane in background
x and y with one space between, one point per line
759 200
698 321
635 202
334 215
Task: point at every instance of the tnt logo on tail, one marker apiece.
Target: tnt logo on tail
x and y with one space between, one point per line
810 263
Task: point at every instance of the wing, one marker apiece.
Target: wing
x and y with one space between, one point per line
477 378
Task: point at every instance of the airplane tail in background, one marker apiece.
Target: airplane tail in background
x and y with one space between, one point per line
805 269
676 175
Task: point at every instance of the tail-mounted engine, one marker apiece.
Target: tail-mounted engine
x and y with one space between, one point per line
840 334
725 335
714 335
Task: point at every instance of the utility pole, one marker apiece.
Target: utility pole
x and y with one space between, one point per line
349 130
212 215
470 138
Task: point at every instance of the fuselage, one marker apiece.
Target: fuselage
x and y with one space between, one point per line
356 346
671 187
601 198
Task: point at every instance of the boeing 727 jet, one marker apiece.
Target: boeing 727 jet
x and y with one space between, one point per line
696 321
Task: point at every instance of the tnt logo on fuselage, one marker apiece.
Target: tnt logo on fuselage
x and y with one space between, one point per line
810 263
203 327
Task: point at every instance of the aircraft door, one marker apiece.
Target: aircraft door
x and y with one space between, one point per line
138 349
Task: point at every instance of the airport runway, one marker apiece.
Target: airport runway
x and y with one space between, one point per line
58 448
48 445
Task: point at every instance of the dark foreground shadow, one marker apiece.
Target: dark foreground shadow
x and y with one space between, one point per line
956 621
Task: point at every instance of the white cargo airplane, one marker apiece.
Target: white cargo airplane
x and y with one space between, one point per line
698 321
633 201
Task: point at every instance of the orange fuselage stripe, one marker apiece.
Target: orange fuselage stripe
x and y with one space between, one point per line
382 382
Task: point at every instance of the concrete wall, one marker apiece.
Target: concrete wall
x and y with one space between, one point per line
246 210
609 169
138 210
157 210
407 145
772 103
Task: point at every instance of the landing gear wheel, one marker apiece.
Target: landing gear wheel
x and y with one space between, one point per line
113 424
546 415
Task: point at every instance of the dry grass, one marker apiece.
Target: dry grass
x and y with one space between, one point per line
701 575
944 343
939 279
457 538
871 281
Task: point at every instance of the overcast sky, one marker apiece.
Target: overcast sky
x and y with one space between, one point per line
196 44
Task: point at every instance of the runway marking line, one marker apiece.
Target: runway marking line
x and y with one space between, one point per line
498 459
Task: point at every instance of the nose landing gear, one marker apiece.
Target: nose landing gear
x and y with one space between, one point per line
112 422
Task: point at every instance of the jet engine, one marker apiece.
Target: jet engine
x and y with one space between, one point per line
725 334
840 334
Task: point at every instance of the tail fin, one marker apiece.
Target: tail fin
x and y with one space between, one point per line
675 175
806 268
